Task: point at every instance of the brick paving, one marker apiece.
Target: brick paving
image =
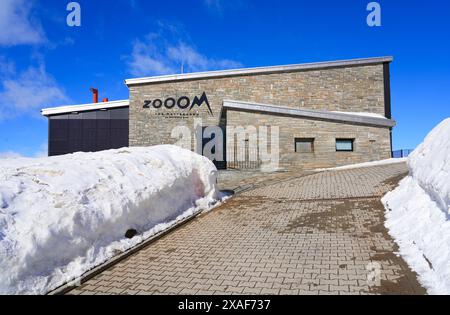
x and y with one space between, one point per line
316 234
240 181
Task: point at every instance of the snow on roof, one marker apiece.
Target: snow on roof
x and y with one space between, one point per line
362 114
84 107
348 117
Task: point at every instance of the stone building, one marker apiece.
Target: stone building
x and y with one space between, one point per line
312 115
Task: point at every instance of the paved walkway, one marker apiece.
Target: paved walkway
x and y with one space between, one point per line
240 181
319 234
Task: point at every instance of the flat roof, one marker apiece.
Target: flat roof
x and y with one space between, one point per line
355 118
260 70
84 107
349 117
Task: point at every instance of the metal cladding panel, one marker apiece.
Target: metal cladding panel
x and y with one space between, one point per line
88 131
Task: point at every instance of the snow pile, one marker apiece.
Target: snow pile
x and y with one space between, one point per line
62 216
361 165
418 215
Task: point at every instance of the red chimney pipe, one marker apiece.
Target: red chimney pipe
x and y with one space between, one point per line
105 100
95 95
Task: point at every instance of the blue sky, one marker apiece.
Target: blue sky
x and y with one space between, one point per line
44 62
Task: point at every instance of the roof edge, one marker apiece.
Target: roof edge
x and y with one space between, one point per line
309 113
260 70
83 107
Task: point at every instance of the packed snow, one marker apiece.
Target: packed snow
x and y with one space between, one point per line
418 211
367 164
62 216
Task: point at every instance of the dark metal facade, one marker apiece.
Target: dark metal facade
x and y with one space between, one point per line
90 131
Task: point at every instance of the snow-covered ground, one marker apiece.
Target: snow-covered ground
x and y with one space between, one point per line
418 211
62 216
367 164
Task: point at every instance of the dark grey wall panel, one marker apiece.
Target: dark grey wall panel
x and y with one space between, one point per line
88 131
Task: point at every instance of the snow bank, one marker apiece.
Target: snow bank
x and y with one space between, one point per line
360 165
418 215
62 216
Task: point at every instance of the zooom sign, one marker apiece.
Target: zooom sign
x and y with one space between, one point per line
183 103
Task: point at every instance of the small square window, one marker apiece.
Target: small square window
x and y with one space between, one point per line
344 145
304 145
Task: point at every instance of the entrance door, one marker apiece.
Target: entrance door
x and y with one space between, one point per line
214 147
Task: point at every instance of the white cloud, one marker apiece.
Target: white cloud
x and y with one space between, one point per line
17 26
10 155
6 67
220 6
145 59
197 62
216 4
28 92
40 153
156 55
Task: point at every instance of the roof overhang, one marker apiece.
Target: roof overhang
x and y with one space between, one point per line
84 107
260 70
342 117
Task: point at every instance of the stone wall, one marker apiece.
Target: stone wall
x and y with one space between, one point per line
371 143
352 89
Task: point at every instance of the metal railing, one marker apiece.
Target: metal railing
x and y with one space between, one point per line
401 153
244 159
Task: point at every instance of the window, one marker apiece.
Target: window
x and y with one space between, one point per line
344 145
304 145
